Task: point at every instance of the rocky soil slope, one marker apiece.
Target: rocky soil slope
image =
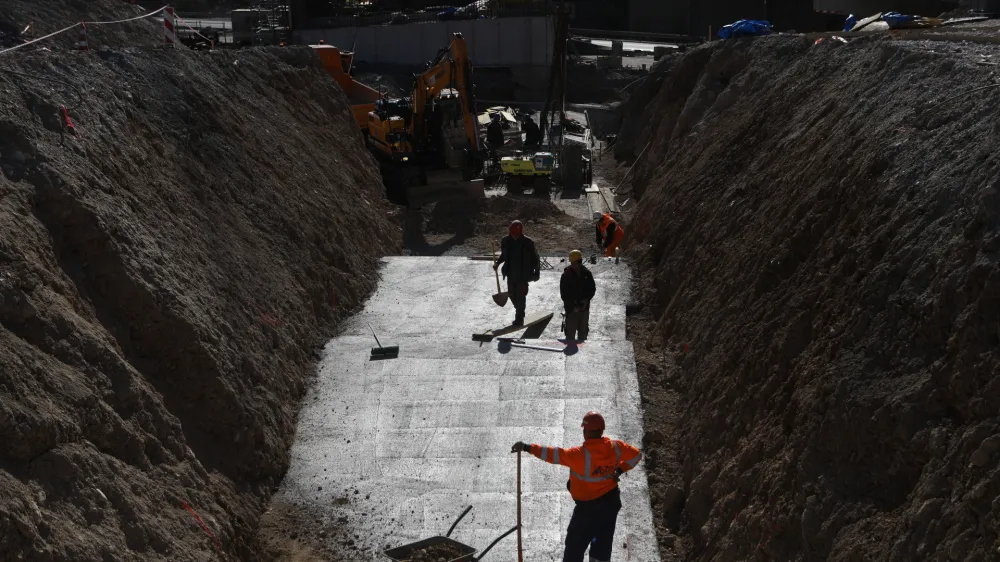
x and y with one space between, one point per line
817 238
52 15
165 274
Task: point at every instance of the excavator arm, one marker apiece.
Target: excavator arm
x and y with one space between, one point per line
452 68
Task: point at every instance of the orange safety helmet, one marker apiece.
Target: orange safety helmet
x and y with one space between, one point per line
605 221
593 421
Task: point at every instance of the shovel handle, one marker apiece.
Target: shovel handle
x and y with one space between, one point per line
493 248
520 550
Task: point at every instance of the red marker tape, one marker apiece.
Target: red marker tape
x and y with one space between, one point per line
204 527
67 120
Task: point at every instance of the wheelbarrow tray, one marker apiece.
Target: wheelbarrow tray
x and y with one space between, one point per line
404 552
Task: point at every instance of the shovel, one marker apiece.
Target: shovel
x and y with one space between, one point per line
500 298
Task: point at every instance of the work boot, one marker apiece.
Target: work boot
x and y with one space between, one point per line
518 321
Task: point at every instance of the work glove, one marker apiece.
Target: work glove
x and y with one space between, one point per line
618 474
524 289
520 446
496 265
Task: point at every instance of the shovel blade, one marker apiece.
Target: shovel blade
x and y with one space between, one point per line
500 299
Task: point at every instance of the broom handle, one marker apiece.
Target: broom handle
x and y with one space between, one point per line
520 552
373 333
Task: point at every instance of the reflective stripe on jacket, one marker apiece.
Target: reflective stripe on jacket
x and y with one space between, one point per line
591 465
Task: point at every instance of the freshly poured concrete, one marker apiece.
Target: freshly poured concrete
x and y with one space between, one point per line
400 447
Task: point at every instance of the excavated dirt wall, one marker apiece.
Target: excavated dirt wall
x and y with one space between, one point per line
166 275
42 17
817 237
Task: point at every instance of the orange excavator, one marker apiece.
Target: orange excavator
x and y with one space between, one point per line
338 64
431 138
428 143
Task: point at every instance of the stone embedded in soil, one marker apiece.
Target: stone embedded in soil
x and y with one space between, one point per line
980 458
652 437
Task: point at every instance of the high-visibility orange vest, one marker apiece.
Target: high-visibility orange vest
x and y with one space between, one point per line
591 465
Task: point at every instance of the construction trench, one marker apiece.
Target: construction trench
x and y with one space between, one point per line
802 334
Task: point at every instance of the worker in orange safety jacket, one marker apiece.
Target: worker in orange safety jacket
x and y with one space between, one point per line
609 235
594 470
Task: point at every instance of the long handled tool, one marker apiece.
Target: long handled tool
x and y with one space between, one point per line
520 551
538 347
500 298
380 352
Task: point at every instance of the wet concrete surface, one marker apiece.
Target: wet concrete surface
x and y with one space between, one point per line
396 449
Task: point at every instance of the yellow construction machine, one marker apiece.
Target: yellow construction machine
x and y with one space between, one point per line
432 138
528 170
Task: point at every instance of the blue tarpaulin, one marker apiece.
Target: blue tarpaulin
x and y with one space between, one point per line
745 28
895 18
850 22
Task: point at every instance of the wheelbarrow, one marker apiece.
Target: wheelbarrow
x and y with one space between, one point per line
468 553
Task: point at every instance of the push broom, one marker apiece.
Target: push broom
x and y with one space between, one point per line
380 352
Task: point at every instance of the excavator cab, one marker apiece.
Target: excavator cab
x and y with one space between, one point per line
388 131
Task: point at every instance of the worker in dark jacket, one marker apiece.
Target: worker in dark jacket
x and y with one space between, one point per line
532 134
521 265
494 134
577 288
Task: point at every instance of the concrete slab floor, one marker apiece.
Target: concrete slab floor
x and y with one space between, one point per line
400 447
